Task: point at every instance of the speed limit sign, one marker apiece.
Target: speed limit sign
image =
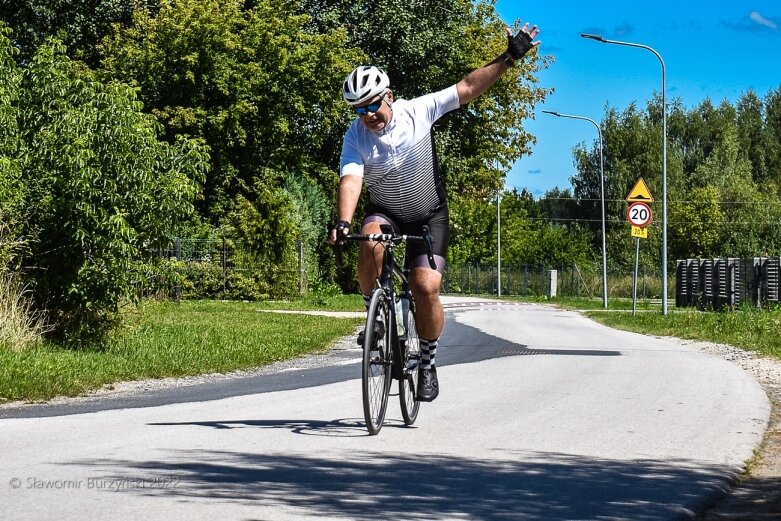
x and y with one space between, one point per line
639 214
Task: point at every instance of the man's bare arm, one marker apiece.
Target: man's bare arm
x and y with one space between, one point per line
347 200
480 80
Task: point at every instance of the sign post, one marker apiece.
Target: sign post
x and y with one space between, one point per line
638 215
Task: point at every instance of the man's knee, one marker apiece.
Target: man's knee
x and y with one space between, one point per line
371 227
425 284
369 249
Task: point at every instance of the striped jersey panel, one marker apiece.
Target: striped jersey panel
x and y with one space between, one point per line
405 183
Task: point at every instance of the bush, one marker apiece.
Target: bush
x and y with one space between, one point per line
99 188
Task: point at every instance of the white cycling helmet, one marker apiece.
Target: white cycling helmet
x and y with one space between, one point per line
364 84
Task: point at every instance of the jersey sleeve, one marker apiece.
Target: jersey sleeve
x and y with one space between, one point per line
435 105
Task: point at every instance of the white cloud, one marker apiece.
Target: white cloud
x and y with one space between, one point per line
757 17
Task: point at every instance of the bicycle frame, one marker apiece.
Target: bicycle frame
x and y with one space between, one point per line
390 269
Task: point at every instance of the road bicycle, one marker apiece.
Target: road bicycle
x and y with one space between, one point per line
391 347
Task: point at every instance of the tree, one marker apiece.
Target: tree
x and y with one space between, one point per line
100 189
473 232
250 81
424 47
773 135
751 134
557 205
311 209
11 189
81 24
696 224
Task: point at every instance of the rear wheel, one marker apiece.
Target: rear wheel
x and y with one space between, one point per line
408 385
376 378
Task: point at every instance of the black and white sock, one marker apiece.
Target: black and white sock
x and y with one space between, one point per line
428 348
366 301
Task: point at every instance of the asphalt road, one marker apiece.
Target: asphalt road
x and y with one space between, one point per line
543 415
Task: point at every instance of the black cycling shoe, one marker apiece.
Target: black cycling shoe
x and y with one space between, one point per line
428 385
361 337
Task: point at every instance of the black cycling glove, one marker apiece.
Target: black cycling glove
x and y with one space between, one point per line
518 45
342 228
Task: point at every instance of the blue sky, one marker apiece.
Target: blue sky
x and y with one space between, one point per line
715 50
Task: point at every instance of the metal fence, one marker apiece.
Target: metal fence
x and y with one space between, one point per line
727 282
223 265
571 280
220 268
481 279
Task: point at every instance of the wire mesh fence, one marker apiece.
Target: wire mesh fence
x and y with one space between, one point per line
537 280
225 269
220 268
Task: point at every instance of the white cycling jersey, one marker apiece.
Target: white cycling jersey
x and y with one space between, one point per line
398 163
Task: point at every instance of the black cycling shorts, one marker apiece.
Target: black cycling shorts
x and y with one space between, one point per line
439 227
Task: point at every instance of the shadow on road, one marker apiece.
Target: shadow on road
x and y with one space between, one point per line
464 344
346 427
362 485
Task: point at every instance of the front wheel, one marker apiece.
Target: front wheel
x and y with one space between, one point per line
376 377
408 385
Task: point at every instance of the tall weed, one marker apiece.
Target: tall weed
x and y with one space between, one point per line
21 327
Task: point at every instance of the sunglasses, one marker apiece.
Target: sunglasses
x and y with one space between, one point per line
372 107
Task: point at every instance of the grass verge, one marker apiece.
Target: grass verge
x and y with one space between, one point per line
166 339
747 328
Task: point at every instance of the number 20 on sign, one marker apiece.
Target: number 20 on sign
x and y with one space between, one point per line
639 216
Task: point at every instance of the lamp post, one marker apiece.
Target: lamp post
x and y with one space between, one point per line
601 196
498 166
499 244
664 157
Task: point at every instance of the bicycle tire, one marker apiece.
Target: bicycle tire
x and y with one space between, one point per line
408 385
376 368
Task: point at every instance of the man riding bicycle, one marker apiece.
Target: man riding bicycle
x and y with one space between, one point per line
390 148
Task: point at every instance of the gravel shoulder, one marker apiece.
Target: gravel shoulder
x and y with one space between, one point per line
757 495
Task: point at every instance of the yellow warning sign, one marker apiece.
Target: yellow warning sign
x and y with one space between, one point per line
640 233
639 192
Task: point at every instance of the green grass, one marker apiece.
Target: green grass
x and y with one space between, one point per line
747 328
316 302
166 339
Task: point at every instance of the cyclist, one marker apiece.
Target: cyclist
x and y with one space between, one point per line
390 149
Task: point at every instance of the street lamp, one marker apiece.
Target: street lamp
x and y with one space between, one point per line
602 196
499 236
499 244
664 157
